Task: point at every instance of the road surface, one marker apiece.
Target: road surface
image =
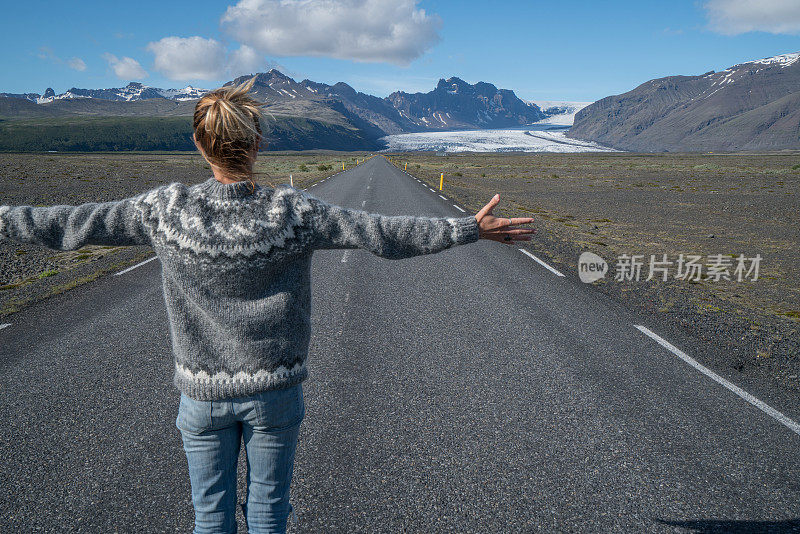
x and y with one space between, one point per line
472 390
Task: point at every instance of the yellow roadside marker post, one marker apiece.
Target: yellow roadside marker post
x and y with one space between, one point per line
343 165
406 167
291 181
441 182
356 161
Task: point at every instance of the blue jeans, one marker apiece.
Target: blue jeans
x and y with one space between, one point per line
212 432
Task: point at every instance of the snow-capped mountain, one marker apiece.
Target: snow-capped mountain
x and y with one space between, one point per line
132 92
453 105
750 106
558 112
187 93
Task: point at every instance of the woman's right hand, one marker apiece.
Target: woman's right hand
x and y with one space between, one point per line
502 229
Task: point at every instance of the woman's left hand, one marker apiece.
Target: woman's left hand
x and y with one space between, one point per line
502 229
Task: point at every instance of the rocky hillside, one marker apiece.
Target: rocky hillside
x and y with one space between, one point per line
750 106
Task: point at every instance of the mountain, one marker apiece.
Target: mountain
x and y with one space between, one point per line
297 115
455 105
750 106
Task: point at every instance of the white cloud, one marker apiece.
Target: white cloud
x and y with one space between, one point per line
188 58
245 60
732 17
46 53
126 68
198 58
76 63
392 31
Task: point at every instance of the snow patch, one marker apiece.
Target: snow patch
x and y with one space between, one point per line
784 60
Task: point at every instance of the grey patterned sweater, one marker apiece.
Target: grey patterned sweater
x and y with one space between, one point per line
236 267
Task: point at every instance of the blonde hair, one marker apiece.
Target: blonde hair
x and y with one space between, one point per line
227 127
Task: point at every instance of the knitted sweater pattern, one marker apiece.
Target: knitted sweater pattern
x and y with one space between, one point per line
236 268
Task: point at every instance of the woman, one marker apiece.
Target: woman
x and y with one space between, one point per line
236 261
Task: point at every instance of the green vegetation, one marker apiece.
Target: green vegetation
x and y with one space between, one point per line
83 134
47 273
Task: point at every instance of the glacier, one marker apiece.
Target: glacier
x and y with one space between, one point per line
504 140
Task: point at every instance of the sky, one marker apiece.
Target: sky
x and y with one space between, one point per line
555 50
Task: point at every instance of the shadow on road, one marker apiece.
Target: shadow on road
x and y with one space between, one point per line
718 526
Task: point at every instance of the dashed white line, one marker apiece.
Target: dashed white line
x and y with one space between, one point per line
772 412
432 191
135 266
363 202
344 256
458 208
440 196
4 325
540 262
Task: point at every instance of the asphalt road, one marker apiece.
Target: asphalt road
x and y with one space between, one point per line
466 391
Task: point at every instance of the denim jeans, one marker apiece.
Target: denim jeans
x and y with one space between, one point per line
212 432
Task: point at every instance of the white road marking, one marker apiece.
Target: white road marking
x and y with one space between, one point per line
461 210
135 266
344 256
440 196
772 412
363 202
4 325
540 262
432 191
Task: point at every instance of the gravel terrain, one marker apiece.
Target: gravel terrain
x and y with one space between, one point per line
701 204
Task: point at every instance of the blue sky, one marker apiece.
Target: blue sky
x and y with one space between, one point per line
567 50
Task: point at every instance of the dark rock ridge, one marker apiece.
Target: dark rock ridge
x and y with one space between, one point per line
750 106
455 104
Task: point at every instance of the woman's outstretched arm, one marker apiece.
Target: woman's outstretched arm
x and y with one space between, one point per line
404 236
71 227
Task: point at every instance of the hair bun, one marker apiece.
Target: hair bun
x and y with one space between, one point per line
227 127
